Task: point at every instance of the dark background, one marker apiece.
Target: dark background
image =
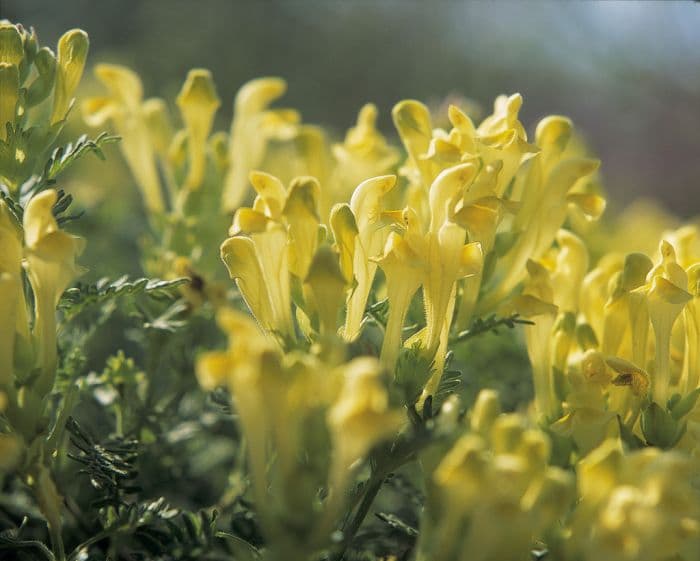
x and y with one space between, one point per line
628 73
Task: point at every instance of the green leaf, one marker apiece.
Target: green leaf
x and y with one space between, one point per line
76 299
65 156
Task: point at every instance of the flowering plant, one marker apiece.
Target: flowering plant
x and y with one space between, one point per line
320 382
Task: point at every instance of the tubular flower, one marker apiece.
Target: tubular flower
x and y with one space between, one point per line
543 189
125 108
307 422
499 138
14 304
640 506
328 286
367 206
500 474
364 153
536 302
443 257
361 416
404 272
586 418
72 54
666 295
28 347
198 102
252 128
691 319
50 257
448 256
271 241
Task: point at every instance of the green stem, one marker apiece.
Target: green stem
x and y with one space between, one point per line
373 487
50 503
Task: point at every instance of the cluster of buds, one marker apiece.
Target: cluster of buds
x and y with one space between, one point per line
310 420
36 93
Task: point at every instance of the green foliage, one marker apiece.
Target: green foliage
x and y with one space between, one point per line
78 298
65 156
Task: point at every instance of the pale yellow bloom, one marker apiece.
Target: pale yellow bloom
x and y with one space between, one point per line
635 507
198 102
72 54
270 243
367 206
254 125
691 319
666 295
404 272
587 419
124 106
9 90
364 153
50 263
362 416
328 285
498 474
536 303
544 191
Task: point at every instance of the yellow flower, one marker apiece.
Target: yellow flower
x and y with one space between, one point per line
404 272
124 106
50 257
499 474
544 189
367 206
691 318
361 416
640 506
536 302
365 153
9 88
270 242
72 54
448 256
666 295
442 257
328 285
198 102
11 265
587 419
252 128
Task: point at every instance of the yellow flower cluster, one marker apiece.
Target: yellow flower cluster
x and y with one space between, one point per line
619 341
636 507
492 494
477 219
309 418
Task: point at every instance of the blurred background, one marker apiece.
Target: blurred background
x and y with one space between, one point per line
627 73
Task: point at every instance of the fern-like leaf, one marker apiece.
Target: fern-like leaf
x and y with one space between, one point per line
65 156
76 299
